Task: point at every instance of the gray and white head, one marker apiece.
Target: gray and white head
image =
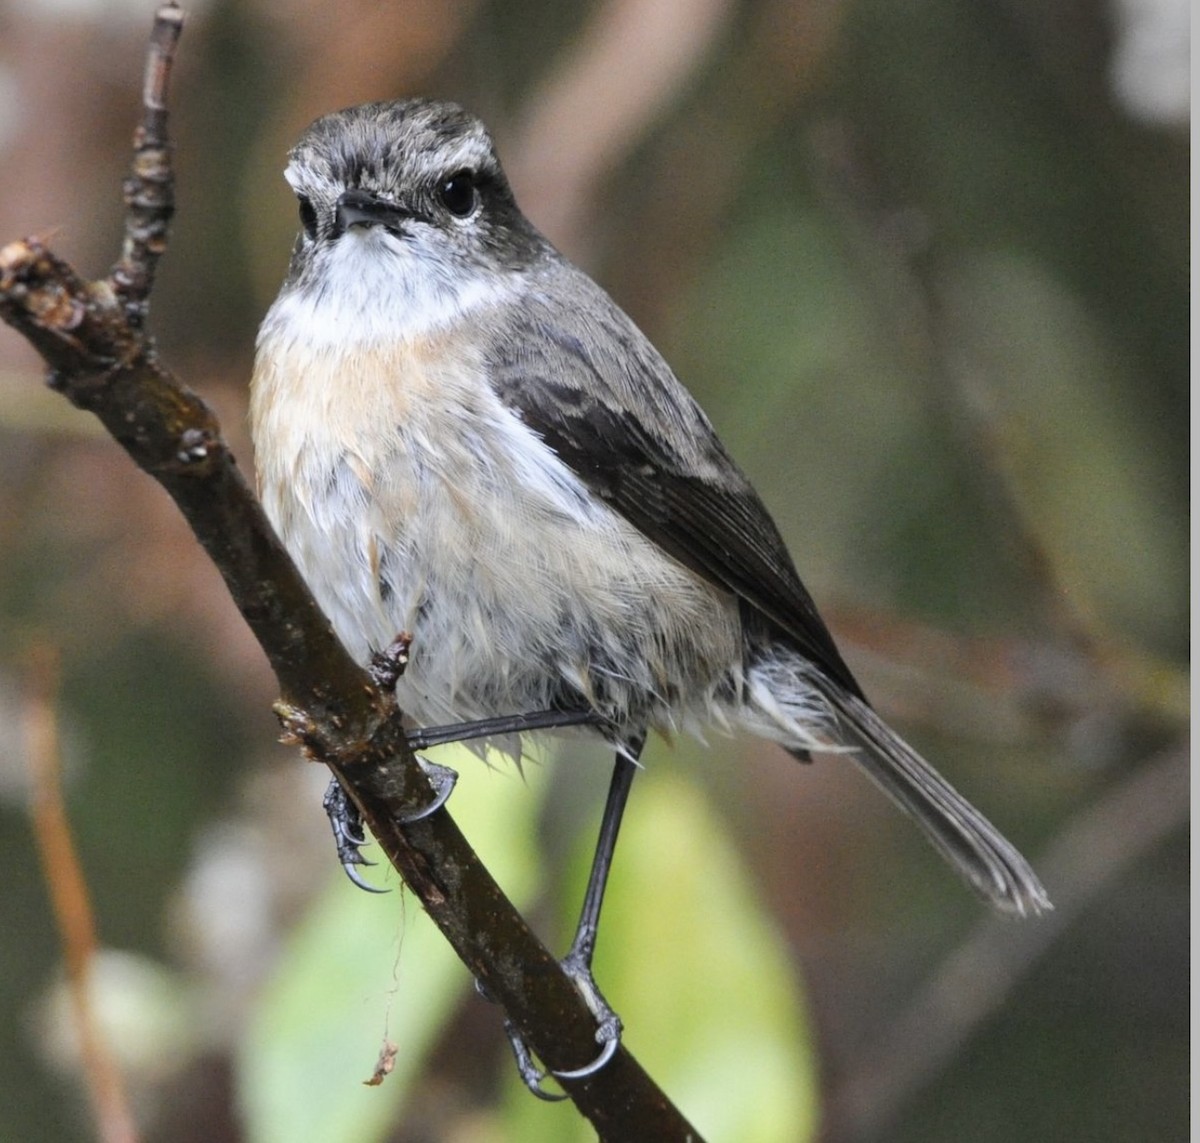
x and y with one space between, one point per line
407 198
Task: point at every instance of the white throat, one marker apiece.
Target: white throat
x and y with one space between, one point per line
370 287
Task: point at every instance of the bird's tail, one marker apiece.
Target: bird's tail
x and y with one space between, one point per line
973 846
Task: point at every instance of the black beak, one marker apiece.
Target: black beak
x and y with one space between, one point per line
359 208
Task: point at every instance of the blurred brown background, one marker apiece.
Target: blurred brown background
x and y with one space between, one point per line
926 266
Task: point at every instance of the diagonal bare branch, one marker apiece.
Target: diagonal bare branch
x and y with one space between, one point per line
90 335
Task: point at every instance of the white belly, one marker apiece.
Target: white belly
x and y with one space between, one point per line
414 501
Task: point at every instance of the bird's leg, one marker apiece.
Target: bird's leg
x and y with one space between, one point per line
343 815
386 668
578 961
347 828
443 778
347 825
429 736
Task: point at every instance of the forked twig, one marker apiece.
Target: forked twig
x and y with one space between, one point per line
91 336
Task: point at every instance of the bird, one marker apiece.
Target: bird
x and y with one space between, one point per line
460 436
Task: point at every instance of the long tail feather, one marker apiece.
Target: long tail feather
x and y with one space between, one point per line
972 845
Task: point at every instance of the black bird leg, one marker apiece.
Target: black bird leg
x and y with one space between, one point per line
343 815
430 736
578 962
349 837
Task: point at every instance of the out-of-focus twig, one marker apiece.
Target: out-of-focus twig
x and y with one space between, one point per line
629 61
697 174
935 677
69 894
895 249
1099 844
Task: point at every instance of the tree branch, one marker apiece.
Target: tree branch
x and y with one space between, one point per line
91 337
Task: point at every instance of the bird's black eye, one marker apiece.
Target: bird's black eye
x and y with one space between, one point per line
308 217
458 193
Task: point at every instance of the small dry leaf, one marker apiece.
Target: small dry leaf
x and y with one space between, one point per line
383 1065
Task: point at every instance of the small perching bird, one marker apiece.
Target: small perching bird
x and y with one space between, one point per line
460 436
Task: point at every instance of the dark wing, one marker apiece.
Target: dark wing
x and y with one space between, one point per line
582 376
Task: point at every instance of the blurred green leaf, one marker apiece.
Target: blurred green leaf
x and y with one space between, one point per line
696 967
1061 410
361 969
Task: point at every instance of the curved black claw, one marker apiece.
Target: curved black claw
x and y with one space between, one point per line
608 1035
346 822
348 835
531 1075
442 778
351 828
356 878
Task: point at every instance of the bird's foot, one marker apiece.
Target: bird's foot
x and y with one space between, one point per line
608 1034
347 824
442 778
348 836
